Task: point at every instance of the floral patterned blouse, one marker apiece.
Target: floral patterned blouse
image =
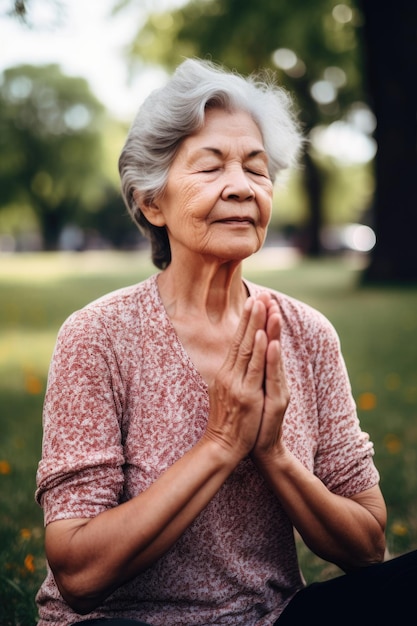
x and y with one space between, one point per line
124 402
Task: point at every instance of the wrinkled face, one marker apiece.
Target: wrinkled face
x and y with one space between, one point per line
218 197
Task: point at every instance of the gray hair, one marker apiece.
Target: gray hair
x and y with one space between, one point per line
176 110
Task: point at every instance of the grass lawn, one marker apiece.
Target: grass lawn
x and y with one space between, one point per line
377 327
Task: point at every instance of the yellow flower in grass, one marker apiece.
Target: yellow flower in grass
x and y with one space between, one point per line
33 384
25 533
5 467
29 563
399 529
367 401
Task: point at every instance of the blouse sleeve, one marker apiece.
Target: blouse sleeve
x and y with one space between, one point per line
344 457
81 470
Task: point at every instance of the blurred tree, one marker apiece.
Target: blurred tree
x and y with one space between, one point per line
51 156
314 46
390 49
311 46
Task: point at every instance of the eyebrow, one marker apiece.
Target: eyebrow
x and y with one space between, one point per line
250 155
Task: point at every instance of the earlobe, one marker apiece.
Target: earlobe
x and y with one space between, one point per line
150 209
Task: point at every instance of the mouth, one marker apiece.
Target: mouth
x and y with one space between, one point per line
237 220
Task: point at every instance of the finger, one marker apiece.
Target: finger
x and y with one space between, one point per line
255 371
240 333
273 326
276 387
256 322
268 299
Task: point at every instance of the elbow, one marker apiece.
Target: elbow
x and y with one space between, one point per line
81 604
378 551
372 557
372 553
375 550
381 550
78 594
82 579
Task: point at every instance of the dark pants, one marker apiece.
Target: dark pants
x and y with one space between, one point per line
379 595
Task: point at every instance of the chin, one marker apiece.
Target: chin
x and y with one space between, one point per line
244 250
239 256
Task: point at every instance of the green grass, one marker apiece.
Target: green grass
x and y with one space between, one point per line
378 330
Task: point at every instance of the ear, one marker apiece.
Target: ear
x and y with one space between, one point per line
150 209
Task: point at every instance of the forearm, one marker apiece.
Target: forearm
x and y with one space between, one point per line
106 551
336 528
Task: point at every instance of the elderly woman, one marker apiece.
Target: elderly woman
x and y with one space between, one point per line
192 421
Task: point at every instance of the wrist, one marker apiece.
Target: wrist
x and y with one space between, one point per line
220 452
276 458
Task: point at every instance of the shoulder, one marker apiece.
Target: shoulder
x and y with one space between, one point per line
125 301
111 321
119 309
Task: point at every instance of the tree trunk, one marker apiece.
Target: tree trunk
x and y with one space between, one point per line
391 55
50 224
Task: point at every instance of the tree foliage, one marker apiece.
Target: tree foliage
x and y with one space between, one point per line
245 36
50 146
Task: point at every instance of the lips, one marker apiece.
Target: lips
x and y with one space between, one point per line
236 220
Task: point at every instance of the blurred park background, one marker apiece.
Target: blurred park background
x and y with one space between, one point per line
342 235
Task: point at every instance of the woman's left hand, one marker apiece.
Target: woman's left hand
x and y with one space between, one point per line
345 531
276 391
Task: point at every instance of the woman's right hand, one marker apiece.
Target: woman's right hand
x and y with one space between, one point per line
237 392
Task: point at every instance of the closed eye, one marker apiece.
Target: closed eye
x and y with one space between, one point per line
257 173
257 167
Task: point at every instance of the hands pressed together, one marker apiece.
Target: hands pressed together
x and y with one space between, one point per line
248 401
249 395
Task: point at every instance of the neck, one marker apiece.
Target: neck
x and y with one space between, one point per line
206 290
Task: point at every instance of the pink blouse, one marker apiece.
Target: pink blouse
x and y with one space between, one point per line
124 402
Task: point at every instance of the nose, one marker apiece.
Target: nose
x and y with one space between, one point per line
237 186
